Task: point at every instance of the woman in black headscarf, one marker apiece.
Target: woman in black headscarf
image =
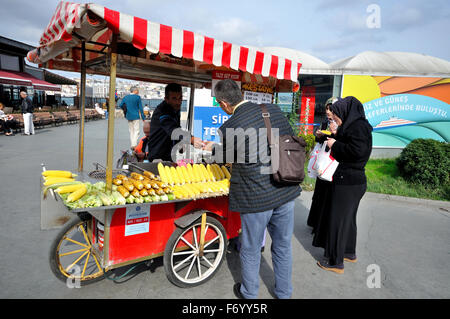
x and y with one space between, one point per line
351 147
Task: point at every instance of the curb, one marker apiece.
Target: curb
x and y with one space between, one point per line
412 200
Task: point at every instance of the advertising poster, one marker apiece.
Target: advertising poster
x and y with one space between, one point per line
308 104
401 109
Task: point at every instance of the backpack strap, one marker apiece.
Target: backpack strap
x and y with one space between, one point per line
266 118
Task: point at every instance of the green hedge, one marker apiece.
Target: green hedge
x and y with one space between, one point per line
425 161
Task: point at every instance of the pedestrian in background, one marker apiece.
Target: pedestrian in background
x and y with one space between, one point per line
134 113
351 147
260 201
27 113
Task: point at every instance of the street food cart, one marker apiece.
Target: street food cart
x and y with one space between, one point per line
190 233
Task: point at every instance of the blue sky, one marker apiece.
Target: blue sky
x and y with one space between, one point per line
328 29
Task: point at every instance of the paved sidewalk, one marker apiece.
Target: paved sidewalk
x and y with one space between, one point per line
407 240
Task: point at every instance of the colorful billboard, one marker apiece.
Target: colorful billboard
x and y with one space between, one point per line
401 108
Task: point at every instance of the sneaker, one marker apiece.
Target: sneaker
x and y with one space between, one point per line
339 269
351 258
237 291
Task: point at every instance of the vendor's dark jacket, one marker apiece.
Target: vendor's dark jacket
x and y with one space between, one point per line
352 150
26 106
251 191
164 120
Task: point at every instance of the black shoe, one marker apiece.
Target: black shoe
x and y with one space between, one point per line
237 291
350 258
262 249
339 269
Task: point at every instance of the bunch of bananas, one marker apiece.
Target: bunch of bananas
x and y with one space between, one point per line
196 181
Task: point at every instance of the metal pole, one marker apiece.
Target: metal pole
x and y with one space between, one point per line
82 105
111 112
191 108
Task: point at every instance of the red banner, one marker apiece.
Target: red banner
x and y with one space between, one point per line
307 109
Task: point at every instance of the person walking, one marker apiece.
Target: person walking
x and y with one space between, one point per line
253 193
132 108
27 113
351 147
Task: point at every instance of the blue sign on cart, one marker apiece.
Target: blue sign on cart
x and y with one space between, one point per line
207 120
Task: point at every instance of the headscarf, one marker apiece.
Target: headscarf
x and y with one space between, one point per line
349 110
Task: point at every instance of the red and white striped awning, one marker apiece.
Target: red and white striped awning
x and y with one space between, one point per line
73 22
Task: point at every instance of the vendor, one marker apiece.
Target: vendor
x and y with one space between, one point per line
165 119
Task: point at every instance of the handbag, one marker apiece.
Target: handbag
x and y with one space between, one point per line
326 164
288 152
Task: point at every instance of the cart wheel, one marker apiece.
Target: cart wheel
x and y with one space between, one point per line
185 266
72 259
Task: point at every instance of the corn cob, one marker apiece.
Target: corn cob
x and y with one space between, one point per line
143 192
151 192
159 191
209 177
198 174
219 171
174 173
190 173
69 188
160 184
226 172
148 174
120 176
56 180
170 179
193 189
180 175
146 182
210 172
137 184
137 176
117 181
162 173
215 172
167 190
185 173
122 190
77 194
54 173
135 193
128 185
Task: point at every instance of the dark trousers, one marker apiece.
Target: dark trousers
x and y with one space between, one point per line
7 125
342 231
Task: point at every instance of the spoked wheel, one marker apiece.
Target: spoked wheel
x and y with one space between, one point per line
72 258
185 263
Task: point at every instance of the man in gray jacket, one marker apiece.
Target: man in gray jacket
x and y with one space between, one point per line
261 202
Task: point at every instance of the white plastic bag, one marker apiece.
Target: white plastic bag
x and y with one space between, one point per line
325 165
313 160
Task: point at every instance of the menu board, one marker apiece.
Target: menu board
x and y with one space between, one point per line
257 97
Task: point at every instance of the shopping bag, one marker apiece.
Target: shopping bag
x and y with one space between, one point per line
325 165
313 160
